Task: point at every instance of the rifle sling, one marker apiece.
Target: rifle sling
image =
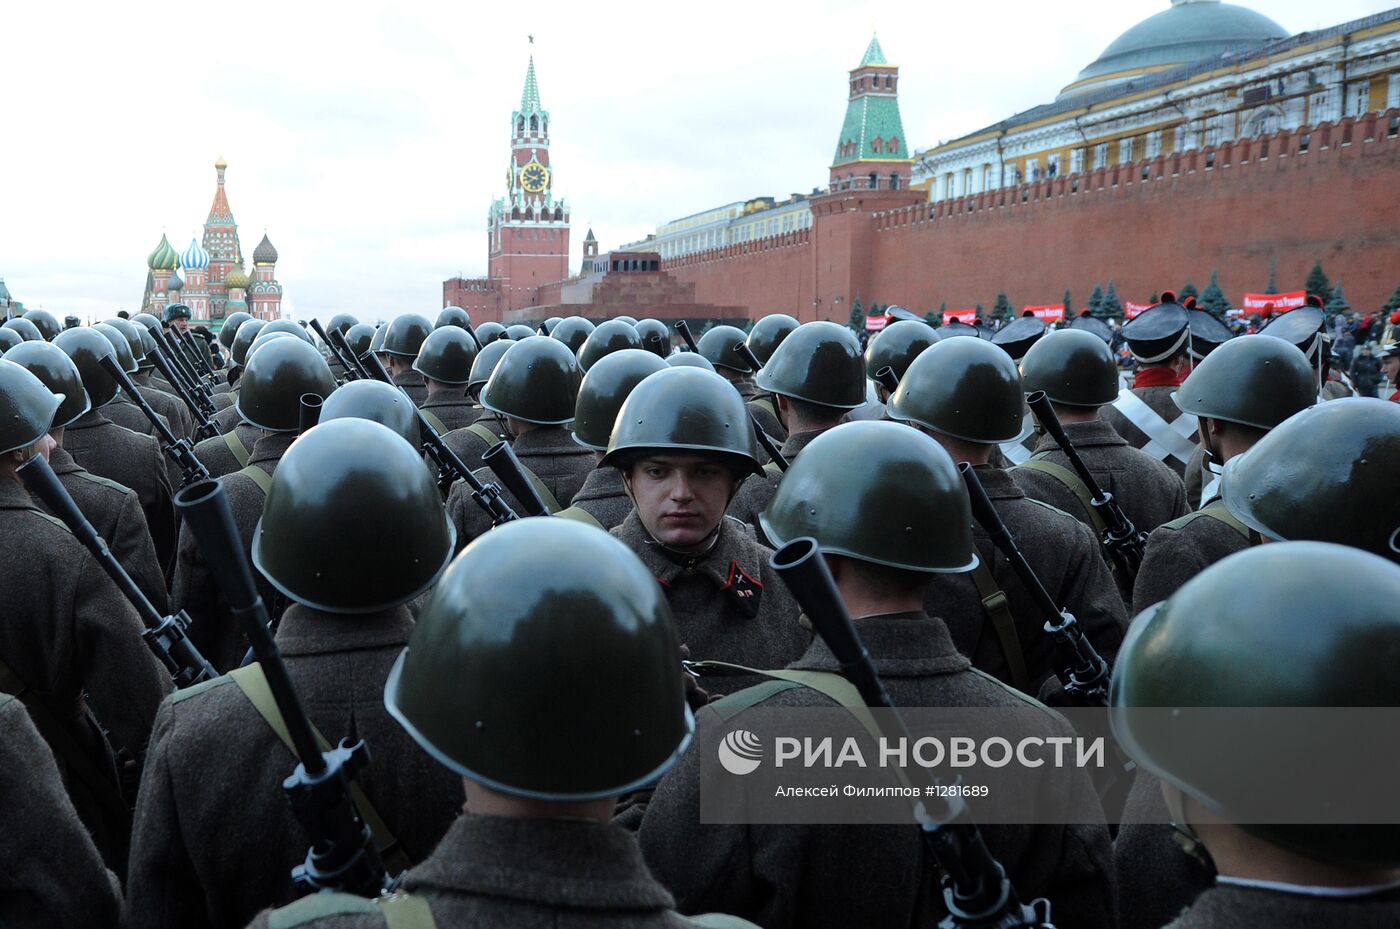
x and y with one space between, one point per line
1216 511
235 445
257 476
999 611
433 421
251 681
579 514
1073 484
485 434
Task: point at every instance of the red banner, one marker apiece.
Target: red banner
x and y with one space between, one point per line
1131 309
962 316
1278 303
876 323
1050 313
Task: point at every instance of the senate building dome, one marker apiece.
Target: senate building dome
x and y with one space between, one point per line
1191 30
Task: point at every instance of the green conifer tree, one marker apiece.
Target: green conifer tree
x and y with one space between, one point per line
856 323
1338 303
1213 299
1317 282
1111 306
1095 300
1002 308
1188 291
1069 307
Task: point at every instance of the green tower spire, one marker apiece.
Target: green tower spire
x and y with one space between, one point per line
874 55
873 129
530 96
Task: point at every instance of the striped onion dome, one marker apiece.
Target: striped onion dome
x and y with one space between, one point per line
265 254
237 278
195 256
164 258
176 282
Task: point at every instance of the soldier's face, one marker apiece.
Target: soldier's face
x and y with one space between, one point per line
180 323
680 499
1391 366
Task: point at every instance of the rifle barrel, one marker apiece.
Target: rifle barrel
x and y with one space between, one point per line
500 458
769 446
683 328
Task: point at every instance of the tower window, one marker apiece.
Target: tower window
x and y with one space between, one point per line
889 82
534 124
894 145
520 124
878 146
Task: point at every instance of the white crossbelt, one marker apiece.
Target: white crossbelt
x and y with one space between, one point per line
1166 438
1015 452
1209 491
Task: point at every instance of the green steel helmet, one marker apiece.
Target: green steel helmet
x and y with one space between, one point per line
689 360
717 345
878 492
768 333
148 320
486 361
358 337
582 658
489 332
229 329
27 407
518 331
604 388
125 359
132 333
353 522
820 363
275 377
87 347
148 346
376 342
453 316
966 389
548 325
610 336
288 326
265 337
447 355
536 381
629 320
47 323
244 340
1252 381
1073 367
684 410
58 373
176 311
25 328
573 331
341 322
655 336
378 402
1304 636
897 345
1326 474
9 339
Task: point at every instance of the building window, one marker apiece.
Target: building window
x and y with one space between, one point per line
1125 151
1032 169
894 145
1154 144
1392 94
1052 165
1360 98
878 146
1101 155
1076 160
889 82
894 182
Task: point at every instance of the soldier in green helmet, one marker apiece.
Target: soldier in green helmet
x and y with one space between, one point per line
895 347
612 335
445 362
9 339
108 450
163 402
232 449
1077 372
655 336
352 530
573 331
1334 649
1326 474
890 513
683 444
48 325
479 688
24 328
70 644
452 316
228 418
717 347
277 374
768 333
114 510
533 389
966 394
1238 393
602 500
472 441
121 410
402 341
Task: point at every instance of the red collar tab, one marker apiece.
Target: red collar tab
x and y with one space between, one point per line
1156 377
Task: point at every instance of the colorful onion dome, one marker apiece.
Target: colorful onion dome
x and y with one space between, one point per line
237 278
164 258
176 282
265 254
195 256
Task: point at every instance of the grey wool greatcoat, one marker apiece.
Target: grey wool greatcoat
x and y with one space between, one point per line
115 512
1065 557
217 454
214 840
728 604
228 417
758 491
467 445
603 497
1183 548
212 628
75 644
166 404
550 452
1157 878
1234 907
412 384
129 416
1159 399
51 876
453 410
132 460
840 877
496 872
765 411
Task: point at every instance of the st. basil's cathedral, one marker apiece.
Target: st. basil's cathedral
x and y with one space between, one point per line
209 276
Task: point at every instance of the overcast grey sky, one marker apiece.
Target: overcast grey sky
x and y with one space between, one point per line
369 139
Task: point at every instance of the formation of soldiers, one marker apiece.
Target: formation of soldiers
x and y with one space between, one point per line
529 689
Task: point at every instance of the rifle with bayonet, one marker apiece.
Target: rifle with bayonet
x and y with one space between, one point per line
451 468
198 389
166 636
351 372
1121 538
205 428
342 856
351 360
769 446
976 890
188 341
179 450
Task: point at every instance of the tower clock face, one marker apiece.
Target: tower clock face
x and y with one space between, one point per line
534 177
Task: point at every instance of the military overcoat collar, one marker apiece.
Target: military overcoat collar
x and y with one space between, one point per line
271 446
1097 432
601 484
89 420
61 462
734 561
909 644
998 483
796 442
304 631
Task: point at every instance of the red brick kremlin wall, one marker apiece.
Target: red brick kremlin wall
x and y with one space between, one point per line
1330 192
